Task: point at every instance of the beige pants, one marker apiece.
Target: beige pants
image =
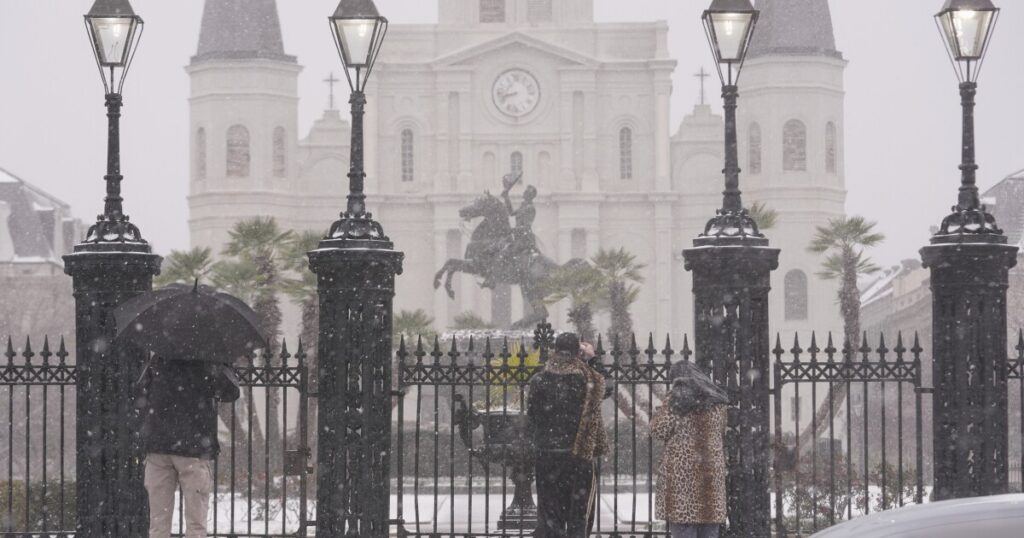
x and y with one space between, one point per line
163 475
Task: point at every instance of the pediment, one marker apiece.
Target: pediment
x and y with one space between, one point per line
514 40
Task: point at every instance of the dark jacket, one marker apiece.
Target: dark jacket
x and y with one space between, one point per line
564 409
178 401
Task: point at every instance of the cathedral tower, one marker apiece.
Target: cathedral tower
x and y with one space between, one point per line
243 109
791 150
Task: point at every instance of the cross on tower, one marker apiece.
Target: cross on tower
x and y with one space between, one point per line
702 75
330 82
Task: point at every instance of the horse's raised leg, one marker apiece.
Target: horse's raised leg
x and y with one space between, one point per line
448 271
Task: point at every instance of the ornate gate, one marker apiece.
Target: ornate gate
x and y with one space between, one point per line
262 479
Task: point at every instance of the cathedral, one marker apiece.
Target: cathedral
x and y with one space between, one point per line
580 108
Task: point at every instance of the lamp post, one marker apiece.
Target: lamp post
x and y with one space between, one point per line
732 263
356 266
114 31
970 262
111 265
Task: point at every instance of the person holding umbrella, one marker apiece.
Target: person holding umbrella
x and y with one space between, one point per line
192 334
178 400
690 489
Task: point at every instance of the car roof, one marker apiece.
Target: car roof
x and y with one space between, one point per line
992 517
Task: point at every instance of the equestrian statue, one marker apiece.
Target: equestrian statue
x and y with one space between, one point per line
502 253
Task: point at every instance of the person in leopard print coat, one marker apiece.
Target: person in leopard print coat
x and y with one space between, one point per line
690 489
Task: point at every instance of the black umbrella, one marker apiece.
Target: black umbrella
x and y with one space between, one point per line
693 390
190 323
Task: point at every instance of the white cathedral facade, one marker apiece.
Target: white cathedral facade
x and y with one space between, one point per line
581 108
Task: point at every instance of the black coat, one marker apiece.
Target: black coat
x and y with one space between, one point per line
178 401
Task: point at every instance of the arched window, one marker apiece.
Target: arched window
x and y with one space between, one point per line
280 158
830 148
201 154
795 288
408 156
755 148
516 163
239 158
625 153
794 146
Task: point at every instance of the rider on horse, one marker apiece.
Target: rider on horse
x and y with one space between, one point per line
521 247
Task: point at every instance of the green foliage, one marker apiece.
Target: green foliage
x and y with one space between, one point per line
255 237
185 266
470 321
236 278
621 273
413 325
765 217
846 232
301 287
43 512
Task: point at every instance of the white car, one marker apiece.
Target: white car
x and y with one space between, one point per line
998 516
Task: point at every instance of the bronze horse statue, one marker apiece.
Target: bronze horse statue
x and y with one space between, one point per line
501 254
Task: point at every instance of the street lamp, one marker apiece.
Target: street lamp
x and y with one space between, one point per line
729 25
966 27
359 31
969 262
114 30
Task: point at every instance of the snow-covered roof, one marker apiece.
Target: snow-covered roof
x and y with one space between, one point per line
32 224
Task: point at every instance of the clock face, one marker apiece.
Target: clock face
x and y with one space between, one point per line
516 93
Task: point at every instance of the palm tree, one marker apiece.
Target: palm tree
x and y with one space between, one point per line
843 242
764 216
412 324
585 287
470 321
621 273
301 287
259 243
185 266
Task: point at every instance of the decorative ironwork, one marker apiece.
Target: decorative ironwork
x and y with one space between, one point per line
847 459
483 383
38 469
969 283
113 231
356 286
732 223
969 221
731 338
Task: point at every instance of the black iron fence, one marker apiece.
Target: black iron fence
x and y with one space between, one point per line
461 468
854 438
262 475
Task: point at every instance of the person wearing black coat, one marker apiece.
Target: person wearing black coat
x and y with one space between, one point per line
567 433
178 400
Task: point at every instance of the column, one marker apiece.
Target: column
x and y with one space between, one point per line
108 457
970 423
356 270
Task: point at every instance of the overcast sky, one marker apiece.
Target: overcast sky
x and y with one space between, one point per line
902 105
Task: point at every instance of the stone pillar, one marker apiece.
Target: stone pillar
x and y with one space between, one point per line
356 267
969 354
108 457
731 338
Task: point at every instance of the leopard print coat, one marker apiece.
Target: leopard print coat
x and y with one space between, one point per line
691 475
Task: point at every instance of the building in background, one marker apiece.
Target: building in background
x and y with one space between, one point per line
36 229
581 108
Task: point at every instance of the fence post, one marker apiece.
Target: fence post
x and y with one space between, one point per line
111 499
969 279
356 268
731 280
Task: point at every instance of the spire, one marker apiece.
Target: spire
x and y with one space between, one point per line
794 27
241 30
